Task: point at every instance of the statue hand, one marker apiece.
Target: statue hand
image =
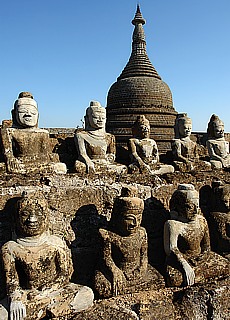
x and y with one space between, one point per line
17 310
118 281
189 273
225 162
189 165
90 167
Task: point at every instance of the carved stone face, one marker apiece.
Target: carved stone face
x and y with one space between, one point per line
185 128
97 117
26 115
218 128
31 218
144 130
130 222
191 204
185 203
190 209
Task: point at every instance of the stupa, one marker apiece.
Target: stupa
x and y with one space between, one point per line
139 90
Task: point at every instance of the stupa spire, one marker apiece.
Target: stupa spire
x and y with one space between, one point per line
138 16
139 63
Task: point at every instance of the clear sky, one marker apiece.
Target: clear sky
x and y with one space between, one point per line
69 52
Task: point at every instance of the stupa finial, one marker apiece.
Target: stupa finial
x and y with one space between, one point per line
138 16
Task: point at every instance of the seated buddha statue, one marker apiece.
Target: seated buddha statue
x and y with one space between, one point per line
185 151
219 219
38 268
123 265
143 150
187 242
26 147
218 147
95 147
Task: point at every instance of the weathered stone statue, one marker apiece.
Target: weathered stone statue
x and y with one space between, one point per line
26 147
124 263
187 243
143 150
218 147
96 148
185 151
38 267
219 219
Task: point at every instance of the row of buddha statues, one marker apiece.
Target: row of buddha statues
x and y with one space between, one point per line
26 147
38 265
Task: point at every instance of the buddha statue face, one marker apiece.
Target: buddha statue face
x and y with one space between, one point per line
130 222
218 129
144 129
128 215
27 115
185 127
96 116
141 128
191 205
215 127
31 217
185 201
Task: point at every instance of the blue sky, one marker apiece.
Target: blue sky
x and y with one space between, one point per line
69 52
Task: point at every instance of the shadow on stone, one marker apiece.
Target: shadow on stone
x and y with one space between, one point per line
85 247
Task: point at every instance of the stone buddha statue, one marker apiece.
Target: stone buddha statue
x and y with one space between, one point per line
26 147
219 219
185 151
218 147
38 268
187 242
143 150
123 266
96 148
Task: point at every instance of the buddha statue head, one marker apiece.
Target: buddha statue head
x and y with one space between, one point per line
95 117
141 128
25 112
215 127
127 212
31 215
183 126
185 201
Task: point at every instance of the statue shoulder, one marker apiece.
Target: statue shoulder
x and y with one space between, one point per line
142 232
9 247
210 141
174 226
110 137
105 234
81 133
80 136
176 142
134 140
202 220
56 241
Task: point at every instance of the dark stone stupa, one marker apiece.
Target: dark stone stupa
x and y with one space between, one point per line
140 90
